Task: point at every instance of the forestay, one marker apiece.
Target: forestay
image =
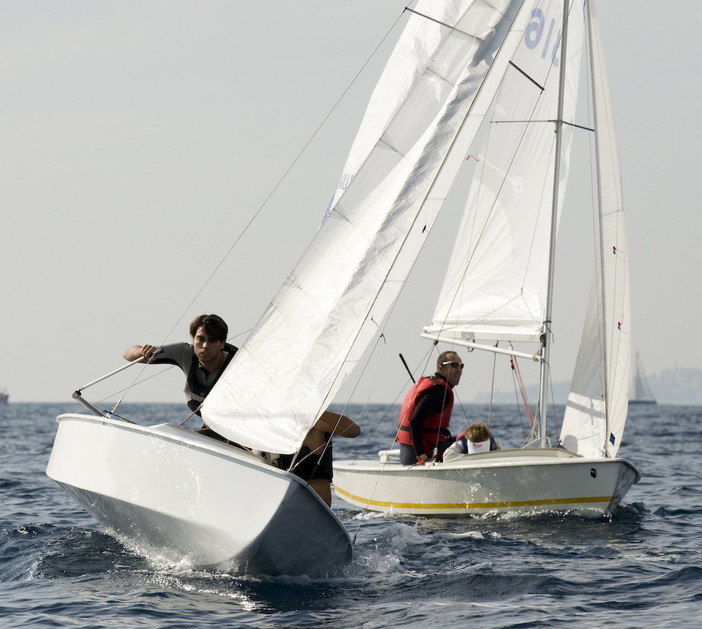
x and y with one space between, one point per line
445 71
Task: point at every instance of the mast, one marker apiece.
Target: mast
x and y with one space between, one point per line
546 330
600 224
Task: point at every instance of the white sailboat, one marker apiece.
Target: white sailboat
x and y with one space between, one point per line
174 493
640 391
498 293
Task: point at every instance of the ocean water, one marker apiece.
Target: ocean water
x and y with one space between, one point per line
640 568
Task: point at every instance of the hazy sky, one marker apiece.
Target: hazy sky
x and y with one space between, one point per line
139 137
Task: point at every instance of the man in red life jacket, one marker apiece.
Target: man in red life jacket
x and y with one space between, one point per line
426 412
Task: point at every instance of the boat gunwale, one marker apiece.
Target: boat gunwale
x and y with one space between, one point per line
190 439
516 457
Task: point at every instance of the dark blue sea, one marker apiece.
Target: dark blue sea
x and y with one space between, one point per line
641 568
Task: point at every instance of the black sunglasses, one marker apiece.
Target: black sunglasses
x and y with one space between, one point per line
453 363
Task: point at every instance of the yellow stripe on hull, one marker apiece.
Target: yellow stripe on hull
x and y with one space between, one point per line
473 505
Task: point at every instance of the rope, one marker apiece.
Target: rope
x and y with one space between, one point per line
522 389
492 388
188 417
273 190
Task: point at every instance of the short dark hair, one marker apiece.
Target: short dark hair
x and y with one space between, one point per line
214 326
444 357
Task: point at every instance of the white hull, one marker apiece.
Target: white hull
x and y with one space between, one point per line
502 481
175 494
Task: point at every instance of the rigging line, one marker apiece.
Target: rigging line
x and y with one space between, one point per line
136 380
380 421
519 411
522 389
134 383
295 460
284 176
443 405
492 386
416 218
481 230
515 153
565 123
327 444
306 145
374 354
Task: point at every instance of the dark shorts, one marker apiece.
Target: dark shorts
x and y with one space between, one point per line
309 466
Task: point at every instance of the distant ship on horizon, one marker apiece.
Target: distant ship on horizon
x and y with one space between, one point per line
640 391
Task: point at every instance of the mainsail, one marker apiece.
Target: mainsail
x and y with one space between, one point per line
445 71
496 287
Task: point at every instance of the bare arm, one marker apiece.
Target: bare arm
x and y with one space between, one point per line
337 424
333 423
139 351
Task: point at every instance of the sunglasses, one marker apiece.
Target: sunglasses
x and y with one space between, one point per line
453 364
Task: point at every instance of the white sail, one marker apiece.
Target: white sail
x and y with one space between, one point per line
404 93
497 280
597 404
452 66
329 309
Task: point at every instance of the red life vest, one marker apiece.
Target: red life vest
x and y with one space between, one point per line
434 424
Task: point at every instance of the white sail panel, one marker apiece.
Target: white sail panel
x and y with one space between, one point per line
496 284
402 81
601 377
328 311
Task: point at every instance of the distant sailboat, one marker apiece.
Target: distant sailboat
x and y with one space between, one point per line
4 397
640 391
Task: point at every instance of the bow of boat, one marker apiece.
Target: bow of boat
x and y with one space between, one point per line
172 493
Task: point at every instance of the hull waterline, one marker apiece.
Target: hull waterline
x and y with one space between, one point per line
170 493
504 481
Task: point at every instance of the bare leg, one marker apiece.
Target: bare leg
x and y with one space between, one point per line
323 487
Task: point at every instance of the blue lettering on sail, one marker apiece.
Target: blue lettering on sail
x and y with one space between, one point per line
543 33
